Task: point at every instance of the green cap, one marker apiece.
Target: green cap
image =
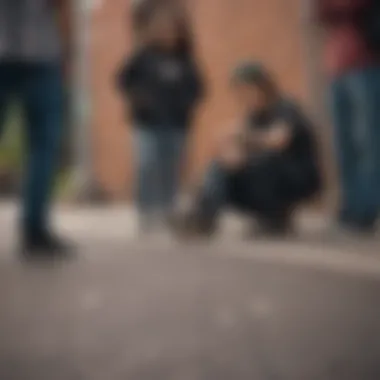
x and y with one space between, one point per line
249 72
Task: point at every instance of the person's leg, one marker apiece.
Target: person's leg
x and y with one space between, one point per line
213 194
8 85
347 150
171 147
9 79
209 200
147 183
265 196
364 88
376 133
42 97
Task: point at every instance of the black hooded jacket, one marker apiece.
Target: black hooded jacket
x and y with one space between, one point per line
162 88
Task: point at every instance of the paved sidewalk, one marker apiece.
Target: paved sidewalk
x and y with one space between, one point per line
157 309
118 223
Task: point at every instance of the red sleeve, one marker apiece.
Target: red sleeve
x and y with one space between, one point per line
329 10
320 10
326 10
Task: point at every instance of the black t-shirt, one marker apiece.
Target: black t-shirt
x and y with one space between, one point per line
161 87
281 178
303 142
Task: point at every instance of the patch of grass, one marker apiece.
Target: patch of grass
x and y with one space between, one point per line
64 185
12 151
12 140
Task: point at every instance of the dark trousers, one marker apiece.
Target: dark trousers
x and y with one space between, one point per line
38 86
356 116
265 187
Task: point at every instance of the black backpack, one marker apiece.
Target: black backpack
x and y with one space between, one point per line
370 25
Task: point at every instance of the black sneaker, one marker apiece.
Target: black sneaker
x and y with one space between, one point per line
276 227
191 226
45 245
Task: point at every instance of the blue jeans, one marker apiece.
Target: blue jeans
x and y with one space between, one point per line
214 191
39 88
265 187
159 153
356 117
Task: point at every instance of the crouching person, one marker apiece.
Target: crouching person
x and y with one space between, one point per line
265 168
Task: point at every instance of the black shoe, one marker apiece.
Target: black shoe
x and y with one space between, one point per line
279 226
191 226
361 226
45 245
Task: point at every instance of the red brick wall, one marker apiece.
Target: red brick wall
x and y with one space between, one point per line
225 31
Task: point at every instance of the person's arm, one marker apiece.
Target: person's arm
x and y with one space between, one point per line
231 144
309 12
130 82
277 138
292 122
317 14
65 24
196 85
330 12
125 77
295 125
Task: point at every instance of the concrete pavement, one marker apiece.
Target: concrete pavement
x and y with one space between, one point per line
306 309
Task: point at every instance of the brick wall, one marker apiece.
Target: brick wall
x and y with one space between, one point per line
226 30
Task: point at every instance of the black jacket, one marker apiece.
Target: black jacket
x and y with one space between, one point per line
303 142
298 164
162 88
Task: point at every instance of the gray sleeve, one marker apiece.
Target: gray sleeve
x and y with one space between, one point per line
308 12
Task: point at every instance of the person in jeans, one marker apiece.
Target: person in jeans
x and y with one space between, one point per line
265 168
352 67
31 52
161 84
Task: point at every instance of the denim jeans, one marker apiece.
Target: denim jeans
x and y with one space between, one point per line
267 186
159 154
38 86
356 117
214 192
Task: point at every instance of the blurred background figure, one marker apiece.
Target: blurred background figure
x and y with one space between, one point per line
33 41
351 44
266 167
162 86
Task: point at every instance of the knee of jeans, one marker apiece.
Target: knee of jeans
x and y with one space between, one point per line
47 135
54 137
147 164
214 178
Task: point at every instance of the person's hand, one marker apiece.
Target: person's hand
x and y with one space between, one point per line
277 138
231 150
230 131
233 157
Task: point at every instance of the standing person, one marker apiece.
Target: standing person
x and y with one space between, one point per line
31 69
351 61
162 86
